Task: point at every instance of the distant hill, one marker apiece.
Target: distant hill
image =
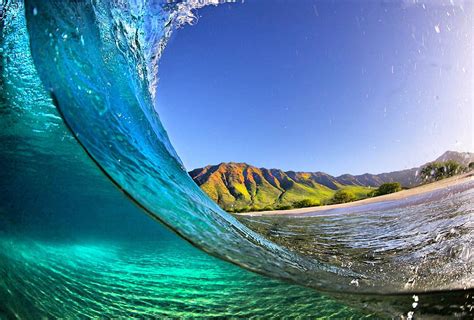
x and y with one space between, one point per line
462 157
237 186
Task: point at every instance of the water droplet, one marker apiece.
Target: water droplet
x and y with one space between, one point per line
437 29
35 11
355 282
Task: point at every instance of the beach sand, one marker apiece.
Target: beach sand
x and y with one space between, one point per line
452 182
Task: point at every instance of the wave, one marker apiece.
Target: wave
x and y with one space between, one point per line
96 77
99 62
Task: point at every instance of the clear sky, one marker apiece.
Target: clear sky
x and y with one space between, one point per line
340 87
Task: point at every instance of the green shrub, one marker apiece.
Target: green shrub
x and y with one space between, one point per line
239 210
284 207
372 193
389 187
305 203
343 196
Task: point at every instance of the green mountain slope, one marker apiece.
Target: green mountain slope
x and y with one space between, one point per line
239 186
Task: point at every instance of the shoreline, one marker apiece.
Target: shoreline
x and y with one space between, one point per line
401 195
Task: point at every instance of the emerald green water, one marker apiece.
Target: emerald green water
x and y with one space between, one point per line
145 279
73 245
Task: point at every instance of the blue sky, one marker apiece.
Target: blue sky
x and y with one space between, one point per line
353 86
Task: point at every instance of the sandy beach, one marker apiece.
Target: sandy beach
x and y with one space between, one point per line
452 182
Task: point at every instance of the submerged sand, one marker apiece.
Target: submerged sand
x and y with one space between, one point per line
448 183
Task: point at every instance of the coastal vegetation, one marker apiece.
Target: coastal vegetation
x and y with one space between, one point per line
436 171
343 196
386 188
239 187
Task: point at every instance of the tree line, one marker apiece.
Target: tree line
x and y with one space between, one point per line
438 170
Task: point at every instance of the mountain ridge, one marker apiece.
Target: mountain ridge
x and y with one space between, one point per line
238 185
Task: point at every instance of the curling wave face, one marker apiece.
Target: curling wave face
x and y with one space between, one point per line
98 61
92 62
95 59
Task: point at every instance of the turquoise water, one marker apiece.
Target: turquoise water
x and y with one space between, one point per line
72 245
89 181
144 279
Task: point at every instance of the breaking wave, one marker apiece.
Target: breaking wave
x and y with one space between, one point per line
98 61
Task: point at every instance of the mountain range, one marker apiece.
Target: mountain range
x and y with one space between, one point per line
240 186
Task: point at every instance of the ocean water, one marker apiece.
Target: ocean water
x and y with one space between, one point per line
421 241
98 216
